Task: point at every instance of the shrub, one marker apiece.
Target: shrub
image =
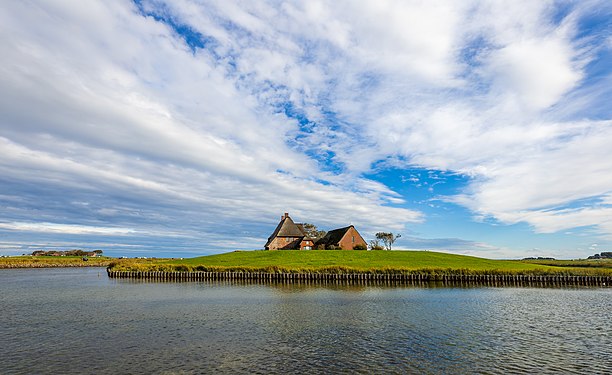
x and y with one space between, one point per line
375 245
360 247
182 268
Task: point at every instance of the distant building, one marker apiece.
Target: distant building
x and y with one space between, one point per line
290 236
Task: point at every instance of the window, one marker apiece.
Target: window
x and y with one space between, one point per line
353 239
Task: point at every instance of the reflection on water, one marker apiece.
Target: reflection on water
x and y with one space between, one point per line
79 321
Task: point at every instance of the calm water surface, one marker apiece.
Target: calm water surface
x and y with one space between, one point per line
77 321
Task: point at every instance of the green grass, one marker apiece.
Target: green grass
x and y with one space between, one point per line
50 261
596 263
355 261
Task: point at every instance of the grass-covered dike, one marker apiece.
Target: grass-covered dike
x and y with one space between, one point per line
339 261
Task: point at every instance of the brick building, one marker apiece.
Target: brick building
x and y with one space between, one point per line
290 236
342 238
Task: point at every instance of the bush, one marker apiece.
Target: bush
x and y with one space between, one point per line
375 245
182 268
360 247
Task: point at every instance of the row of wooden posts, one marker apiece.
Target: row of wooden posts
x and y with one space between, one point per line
543 280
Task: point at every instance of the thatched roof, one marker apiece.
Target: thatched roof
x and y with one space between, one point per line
286 228
333 237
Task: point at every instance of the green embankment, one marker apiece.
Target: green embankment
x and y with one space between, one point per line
52 261
319 261
582 263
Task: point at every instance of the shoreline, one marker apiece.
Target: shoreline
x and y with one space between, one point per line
43 265
53 262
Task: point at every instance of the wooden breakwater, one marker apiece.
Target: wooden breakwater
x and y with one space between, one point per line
399 278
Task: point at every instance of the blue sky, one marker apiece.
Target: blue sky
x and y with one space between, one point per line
184 127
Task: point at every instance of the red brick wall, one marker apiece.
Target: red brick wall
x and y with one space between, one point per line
285 243
350 239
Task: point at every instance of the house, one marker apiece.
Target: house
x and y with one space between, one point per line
288 236
342 238
291 236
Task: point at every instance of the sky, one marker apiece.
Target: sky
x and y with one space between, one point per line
187 127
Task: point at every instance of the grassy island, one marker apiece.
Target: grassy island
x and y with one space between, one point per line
339 261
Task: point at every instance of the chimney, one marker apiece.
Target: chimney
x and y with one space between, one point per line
286 215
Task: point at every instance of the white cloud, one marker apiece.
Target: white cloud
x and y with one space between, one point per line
415 40
535 187
533 73
558 220
64 228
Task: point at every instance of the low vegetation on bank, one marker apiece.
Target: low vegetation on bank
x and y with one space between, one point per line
330 261
28 261
580 263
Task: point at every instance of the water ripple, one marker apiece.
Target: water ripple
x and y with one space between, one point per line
73 322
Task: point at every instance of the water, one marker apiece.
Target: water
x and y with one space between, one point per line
77 321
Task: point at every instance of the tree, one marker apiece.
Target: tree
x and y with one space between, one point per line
387 238
375 245
311 231
99 252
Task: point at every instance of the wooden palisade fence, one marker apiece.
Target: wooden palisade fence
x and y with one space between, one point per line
399 278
